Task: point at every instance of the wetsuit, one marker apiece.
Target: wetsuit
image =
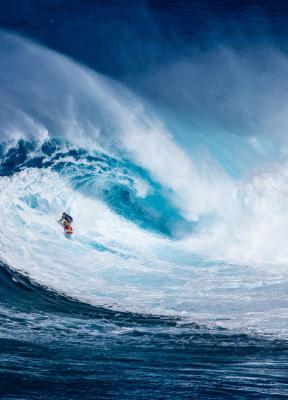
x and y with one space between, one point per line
66 218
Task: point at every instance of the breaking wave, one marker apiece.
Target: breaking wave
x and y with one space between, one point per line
160 228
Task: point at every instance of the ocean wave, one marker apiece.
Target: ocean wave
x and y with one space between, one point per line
159 228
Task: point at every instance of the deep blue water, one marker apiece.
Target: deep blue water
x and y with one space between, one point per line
167 290
102 354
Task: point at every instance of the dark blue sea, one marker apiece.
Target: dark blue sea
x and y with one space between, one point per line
161 127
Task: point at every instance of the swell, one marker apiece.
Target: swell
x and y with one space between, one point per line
85 351
21 292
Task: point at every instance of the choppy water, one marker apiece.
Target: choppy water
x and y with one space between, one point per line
53 347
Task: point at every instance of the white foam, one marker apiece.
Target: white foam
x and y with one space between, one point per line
112 262
253 229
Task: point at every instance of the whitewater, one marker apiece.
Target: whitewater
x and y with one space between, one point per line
160 229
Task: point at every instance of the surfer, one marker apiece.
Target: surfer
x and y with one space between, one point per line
66 217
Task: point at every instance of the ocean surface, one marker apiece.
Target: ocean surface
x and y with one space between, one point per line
161 127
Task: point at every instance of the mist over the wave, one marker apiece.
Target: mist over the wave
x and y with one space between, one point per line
224 92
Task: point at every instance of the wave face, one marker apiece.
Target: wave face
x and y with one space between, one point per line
177 251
